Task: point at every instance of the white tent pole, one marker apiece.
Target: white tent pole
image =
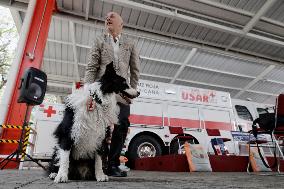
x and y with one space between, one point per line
11 79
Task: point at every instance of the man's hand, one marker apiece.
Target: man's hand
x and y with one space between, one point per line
123 99
128 100
126 97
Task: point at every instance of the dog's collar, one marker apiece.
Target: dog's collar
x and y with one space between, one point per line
95 97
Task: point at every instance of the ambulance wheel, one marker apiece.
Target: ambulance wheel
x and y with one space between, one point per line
144 146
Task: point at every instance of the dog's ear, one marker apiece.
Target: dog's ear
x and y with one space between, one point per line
110 68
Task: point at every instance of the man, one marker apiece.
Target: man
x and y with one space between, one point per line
114 47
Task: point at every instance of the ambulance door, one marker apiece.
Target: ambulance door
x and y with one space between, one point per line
218 123
183 116
214 118
146 113
146 134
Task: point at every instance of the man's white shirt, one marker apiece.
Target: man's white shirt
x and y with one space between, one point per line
115 46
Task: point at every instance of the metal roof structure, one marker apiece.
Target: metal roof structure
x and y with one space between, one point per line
229 45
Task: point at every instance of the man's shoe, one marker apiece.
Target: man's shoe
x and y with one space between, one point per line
116 172
124 168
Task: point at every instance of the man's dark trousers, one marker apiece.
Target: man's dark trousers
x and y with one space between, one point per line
119 135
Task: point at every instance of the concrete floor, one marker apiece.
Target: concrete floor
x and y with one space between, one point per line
35 179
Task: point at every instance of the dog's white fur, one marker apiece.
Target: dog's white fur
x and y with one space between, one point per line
62 175
88 130
89 127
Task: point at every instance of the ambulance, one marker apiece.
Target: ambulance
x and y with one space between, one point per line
166 115
163 117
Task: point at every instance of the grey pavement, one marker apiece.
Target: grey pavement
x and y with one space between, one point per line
36 179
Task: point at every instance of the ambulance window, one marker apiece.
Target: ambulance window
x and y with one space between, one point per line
243 113
261 111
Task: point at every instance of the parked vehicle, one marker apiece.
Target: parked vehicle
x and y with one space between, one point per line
162 108
247 111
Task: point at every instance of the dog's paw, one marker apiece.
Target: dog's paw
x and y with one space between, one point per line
61 178
102 178
52 175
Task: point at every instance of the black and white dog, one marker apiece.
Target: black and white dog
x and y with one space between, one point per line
80 135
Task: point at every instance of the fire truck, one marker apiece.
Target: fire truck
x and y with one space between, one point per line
163 117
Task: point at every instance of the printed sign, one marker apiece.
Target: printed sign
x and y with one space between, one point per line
255 160
204 96
163 91
197 95
150 89
243 136
197 158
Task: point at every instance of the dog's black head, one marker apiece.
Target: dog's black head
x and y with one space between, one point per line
111 82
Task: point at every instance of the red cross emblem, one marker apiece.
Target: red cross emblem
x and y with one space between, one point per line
49 111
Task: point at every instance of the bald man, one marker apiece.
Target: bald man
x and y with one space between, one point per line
114 47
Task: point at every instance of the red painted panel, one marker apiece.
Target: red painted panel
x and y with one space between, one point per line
170 163
11 164
178 163
176 130
228 163
213 132
7 147
271 161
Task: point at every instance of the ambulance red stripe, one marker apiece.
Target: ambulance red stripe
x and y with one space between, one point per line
187 123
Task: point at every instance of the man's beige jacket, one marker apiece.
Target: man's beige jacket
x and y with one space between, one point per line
102 54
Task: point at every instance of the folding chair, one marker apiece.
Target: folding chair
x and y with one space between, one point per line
278 132
272 124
